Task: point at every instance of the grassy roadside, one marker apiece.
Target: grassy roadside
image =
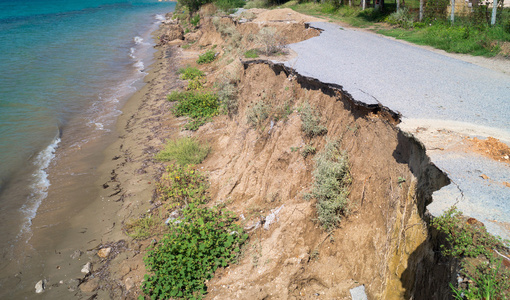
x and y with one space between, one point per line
469 35
484 262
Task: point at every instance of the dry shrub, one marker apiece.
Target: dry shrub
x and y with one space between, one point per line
272 42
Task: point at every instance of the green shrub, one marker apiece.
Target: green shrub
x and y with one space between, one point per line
474 246
256 4
195 20
464 240
330 187
184 151
251 53
258 113
181 262
190 73
402 18
182 185
199 106
207 57
311 120
229 5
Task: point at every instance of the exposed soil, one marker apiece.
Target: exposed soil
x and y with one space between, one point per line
384 243
492 148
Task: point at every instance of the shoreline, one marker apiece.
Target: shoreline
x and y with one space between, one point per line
114 198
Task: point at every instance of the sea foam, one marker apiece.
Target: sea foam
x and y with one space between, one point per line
40 183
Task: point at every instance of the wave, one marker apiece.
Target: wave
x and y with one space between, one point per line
40 184
160 18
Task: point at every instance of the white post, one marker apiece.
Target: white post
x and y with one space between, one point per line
364 4
421 10
494 11
452 16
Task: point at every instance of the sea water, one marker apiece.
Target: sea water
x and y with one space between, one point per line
66 66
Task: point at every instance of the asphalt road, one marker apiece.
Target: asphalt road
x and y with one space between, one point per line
431 91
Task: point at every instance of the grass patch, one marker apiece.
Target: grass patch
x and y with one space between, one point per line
145 227
199 106
330 187
201 240
205 240
184 151
311 121
457 38
469 35
206 58
476 249
252 53
182 185
190 73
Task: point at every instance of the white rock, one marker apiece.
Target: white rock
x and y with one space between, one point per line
40 286
103 253
86 268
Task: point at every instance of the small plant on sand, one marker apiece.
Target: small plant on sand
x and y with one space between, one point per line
190 73
258 113
202 240
272 42
311 121
184 151
180 263
480 256
206 58
308 150
145 227
199 106
331 185
251 53
182 185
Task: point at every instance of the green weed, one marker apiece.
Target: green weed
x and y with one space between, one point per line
145 227
182 185
474 246
308 150
202 240
190 73
206 58
311 121
184 151
331 182
252 53
199 106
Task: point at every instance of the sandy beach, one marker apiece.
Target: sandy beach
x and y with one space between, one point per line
123 188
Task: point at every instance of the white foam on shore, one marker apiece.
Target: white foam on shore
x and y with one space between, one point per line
40 184
159 17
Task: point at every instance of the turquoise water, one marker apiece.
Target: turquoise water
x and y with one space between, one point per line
66 66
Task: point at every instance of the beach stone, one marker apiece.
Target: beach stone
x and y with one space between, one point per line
358 293
129 283
76 254
125 269
90 285
192 36
86 268
40 286
104 252
72 285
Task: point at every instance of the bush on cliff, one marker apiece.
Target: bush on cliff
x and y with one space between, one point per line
199 106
